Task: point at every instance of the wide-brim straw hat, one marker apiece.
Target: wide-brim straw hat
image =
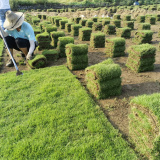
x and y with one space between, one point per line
13 20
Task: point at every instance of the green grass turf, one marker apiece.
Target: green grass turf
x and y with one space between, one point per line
152 102
47 114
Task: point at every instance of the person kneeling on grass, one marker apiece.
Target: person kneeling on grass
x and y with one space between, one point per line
19 35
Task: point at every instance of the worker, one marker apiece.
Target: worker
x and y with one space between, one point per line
136 3
4 7
19 35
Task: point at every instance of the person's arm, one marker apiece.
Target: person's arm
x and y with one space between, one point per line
31 49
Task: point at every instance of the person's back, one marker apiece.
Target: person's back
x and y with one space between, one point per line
4 7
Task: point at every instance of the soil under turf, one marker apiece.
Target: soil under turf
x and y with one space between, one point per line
133 84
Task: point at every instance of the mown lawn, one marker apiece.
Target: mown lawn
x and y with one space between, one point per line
47 114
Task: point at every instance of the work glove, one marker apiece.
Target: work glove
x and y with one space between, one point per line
29 57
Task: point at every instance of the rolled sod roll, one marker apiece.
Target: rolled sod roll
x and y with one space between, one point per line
62 41
141 57
123 32
85 34
51 54
68 27
104 94
39 61
144 122
141 19
83 22
89 23
77 57
97 26
144 26
103 72
117 16
109 29
75 50
62 23
143 36
115 47
75 29
55 36
117 23
50 28
105 22
97 40
129 24
43 37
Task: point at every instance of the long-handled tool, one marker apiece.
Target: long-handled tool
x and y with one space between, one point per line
15 65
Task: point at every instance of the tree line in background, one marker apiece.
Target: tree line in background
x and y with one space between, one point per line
84 3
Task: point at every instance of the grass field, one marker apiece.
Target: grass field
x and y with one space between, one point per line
47 114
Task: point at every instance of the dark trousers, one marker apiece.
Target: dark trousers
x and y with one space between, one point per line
18 43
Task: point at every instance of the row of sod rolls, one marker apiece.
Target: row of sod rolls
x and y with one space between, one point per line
143 36
115 47
141 57
77 56
103 79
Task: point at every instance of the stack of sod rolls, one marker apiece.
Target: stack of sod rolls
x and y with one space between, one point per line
83 22
141 19
117 23
44 41
127 18
62 23
143 36
51 54
43 23
103 79
117 16
158 17
89 23
37 30
141 57
39 61
159 33
77 20
109 29
85 34
57 21
44 17
55 36
97 40
97 26
62 41
35 20
39 16
75 29
144 26
115 47
150 19
50 28
53 19
105 22
123 32
77 57
129 24
95 19
144 124
68 27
